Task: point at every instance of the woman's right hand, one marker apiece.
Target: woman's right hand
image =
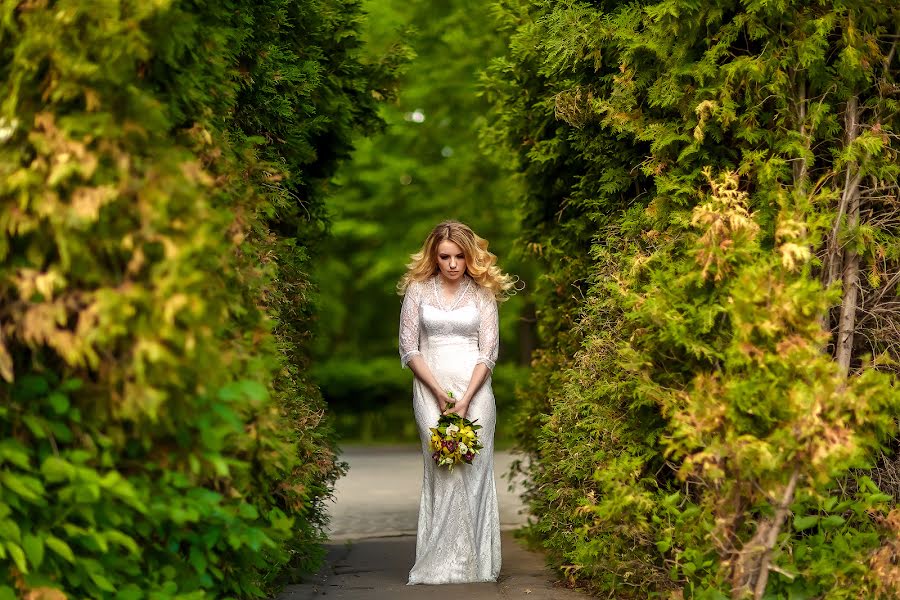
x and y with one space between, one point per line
442 399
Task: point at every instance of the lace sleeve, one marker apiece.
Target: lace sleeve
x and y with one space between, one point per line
409 324
488 331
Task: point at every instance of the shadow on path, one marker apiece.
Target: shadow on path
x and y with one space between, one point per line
376 569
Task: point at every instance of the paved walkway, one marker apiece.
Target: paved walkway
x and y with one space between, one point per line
373 538
380 494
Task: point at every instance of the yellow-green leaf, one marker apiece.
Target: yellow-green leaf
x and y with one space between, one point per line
34 549
18 556
61 548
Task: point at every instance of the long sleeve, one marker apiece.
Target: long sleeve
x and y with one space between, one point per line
488 331
409 324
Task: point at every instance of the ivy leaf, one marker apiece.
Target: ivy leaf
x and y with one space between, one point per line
198 559
26 487
254 390
12 452
248 511
129 592
71 385
832 521
61 548
55 469
35 425
34 549
18 556
102 582
803 523
117 537
60 431
59 403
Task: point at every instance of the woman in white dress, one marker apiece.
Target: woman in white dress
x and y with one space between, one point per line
449 338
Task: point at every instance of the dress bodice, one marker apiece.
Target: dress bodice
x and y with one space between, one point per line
467 325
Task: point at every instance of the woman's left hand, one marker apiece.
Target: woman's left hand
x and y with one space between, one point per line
460 408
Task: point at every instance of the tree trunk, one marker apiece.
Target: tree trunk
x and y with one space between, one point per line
850 270
751 568
527 333
801 166
771 535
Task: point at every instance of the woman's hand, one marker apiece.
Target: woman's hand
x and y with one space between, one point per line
460 408
443 398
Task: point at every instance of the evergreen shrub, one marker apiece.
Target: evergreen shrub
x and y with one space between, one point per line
713 189
160 435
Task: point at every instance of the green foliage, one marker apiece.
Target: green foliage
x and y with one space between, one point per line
98 518
425 167
684 410
373 395
161 171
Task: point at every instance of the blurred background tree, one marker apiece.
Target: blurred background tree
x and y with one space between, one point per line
427 166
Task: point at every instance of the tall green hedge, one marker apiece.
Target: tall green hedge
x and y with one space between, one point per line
162 166
713 188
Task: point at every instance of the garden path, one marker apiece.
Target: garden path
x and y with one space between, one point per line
373 537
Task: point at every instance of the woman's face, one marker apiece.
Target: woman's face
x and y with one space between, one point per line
451 260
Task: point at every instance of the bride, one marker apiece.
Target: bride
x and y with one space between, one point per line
449 338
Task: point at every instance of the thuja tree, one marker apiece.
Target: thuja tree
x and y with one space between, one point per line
305 91
733 169
158 434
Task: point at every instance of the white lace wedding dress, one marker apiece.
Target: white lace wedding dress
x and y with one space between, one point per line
458 538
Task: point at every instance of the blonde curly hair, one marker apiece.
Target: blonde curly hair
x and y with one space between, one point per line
480 264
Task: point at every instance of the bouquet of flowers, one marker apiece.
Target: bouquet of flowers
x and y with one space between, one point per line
454 440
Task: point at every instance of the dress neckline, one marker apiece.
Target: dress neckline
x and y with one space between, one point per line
439 294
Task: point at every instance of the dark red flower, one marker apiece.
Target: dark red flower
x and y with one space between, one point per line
468 456
436 456
450 445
